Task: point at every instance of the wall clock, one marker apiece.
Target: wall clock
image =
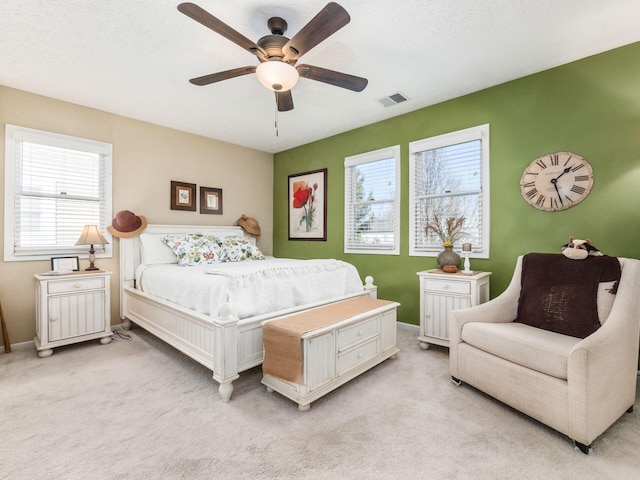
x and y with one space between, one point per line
556 181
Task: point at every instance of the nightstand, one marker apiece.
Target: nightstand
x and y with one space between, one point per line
72 308
441 292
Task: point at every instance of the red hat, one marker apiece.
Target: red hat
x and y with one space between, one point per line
127 224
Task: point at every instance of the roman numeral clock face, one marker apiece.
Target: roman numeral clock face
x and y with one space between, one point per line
556 181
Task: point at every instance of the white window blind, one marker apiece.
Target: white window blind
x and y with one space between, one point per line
372 202
449 179
55 184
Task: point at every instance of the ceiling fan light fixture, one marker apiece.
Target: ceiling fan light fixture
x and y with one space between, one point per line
277 76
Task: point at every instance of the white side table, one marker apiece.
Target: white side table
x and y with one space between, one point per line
441 292
72 308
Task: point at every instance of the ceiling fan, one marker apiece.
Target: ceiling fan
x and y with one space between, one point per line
278 54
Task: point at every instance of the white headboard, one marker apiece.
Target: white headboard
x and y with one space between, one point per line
131 252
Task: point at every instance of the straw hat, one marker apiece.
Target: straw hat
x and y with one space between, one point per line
249 225
127 224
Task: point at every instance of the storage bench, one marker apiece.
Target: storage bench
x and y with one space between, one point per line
311 353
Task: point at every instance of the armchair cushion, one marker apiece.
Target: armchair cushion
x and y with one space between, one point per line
560 295
534 348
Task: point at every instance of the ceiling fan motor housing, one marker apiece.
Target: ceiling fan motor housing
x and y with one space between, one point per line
273 44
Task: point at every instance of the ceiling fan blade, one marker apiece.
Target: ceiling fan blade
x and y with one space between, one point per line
343 80
217 77
328 21
284 100
205 18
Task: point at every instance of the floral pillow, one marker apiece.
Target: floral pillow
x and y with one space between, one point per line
194 248
238 249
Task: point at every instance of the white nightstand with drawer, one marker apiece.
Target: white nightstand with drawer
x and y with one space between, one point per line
72 308
441 292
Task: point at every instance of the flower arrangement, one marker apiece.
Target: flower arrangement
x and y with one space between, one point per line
449 229
304 197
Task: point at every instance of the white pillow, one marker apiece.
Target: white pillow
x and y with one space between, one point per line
154 250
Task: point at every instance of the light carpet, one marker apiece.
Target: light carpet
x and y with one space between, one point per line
141 410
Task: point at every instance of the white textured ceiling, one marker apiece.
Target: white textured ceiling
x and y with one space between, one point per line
134 57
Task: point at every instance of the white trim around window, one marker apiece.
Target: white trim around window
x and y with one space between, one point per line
54 185
372 202
449 176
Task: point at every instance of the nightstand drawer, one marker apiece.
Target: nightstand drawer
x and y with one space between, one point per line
76 284
447 286
356 333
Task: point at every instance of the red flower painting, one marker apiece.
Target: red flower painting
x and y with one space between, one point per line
304 197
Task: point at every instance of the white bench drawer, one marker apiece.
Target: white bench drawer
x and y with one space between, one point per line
357 356
358 332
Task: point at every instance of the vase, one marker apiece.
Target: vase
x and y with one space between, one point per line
448 257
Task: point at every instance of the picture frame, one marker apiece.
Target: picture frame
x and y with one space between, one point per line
307 205
65 263
211 200
183 196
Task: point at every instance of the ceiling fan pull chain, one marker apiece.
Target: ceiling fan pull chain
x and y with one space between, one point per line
276 121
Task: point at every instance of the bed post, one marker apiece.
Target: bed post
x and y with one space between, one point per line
129 261
225 358
370 287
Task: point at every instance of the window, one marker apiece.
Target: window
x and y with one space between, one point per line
449 179
372 202
54 185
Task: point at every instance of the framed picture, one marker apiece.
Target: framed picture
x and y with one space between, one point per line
183 196
308 205
65 263
211 200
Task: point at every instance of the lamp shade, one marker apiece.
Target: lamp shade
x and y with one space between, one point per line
91 236
277 76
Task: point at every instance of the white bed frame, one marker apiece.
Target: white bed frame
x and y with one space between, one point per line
223 343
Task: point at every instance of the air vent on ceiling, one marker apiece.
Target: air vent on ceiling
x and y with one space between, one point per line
393 99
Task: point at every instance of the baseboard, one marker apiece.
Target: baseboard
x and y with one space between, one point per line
30 343
408 326
20 346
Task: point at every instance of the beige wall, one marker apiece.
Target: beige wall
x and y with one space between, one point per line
146 158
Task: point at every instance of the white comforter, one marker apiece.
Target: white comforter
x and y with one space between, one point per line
252 287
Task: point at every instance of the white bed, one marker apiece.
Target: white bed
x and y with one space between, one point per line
221 330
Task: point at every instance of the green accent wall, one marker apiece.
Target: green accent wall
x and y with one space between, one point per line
590 107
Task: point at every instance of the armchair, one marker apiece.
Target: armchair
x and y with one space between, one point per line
577 386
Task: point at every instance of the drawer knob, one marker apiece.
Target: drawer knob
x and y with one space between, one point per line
53 319
77 285
360 355
360 333
445 286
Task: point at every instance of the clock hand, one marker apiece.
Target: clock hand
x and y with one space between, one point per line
555 184
566 170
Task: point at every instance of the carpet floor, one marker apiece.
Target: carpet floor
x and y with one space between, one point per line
142 410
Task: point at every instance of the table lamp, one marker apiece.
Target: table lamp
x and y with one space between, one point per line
91 236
